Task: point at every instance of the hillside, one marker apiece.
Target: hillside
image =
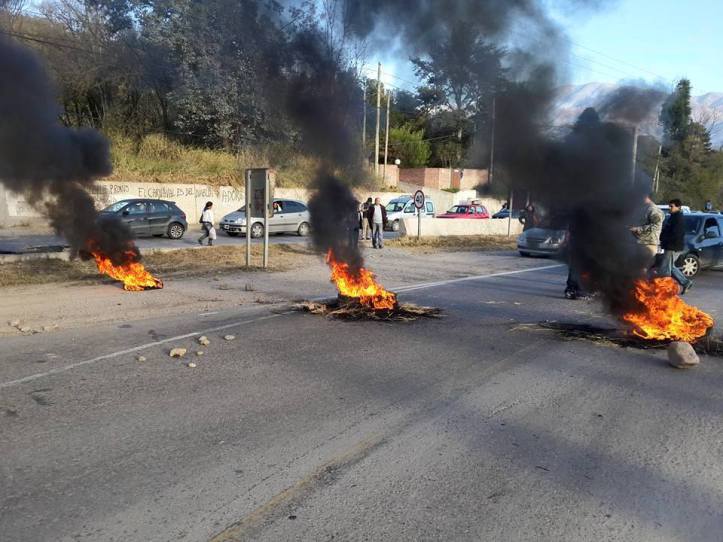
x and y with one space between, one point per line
572 99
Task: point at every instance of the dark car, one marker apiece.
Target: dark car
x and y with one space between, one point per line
703 243
505 213
147 217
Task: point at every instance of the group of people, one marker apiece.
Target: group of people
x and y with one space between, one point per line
653 235
668 235
370 219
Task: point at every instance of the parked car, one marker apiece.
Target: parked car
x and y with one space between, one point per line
466 210
542 242
704 243
505 213
146 217
403 207
290 216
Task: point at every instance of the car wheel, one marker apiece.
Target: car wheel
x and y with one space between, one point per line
304 229
232 233
395 225
257 230
176 230
690 266
525 254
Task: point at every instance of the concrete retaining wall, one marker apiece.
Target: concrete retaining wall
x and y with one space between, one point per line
441 227
14 209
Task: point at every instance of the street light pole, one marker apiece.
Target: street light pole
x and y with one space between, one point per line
386 138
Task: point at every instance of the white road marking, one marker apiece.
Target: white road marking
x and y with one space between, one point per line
111 355
473 277
134 349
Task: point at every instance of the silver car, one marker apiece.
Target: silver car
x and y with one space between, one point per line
542 242
290 216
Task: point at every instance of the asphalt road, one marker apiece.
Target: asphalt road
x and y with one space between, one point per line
13 243
473 427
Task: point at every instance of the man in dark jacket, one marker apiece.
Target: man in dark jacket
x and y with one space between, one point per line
672 241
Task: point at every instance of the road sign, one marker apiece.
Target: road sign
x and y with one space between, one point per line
419 199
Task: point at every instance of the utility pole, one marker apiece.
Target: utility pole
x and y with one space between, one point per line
635 153
364 125
379 113
386 138
491 172
656 175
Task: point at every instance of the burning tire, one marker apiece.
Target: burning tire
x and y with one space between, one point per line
176 231
304 229
257 230
690 266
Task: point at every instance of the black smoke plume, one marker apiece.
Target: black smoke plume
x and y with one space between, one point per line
51 165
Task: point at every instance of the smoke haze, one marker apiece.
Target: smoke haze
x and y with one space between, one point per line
39 157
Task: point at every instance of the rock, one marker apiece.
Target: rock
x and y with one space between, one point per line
229 337
191 365
141 358
199 352
14 323
50 327
177 352
25 329
681 355
203 341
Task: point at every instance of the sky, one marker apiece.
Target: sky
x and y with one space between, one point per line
658 41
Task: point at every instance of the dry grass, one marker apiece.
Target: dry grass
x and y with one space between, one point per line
456 242
156 158
179 263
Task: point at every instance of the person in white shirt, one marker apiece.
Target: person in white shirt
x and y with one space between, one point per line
207 224
377 215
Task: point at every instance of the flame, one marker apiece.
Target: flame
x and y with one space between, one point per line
664 316
132 274
360 284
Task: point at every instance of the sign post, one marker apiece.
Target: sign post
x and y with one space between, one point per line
259 197
419 204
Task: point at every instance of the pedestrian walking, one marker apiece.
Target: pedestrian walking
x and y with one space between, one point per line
207 224
366 224
377 216
672 241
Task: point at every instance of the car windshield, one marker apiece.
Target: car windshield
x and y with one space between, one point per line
458 210
395 206
692 224
117 206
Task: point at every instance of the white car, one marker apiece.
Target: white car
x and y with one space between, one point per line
290 216
403 207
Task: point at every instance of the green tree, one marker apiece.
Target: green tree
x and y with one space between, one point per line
409 146
675 114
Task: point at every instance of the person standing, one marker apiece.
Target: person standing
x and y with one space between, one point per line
648 233
708 208
207 224
672 241
377 216
528 218
366 224
355 220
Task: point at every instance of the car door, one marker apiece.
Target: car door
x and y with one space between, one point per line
135 215
293 216
429 208
710 242
280 221
159 215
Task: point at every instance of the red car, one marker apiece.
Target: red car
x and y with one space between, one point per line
466 211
